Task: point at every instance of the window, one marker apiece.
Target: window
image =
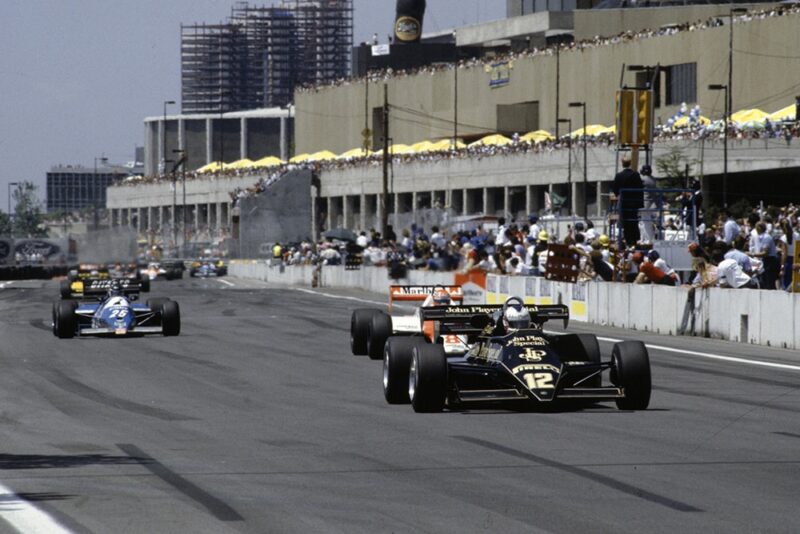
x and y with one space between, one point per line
681 84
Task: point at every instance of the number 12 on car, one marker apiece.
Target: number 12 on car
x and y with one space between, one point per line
538 380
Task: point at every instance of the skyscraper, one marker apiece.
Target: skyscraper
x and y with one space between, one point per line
258 57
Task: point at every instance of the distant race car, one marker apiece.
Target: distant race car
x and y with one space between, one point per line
116 313
513 365
69 289
370 327
208 268
168 270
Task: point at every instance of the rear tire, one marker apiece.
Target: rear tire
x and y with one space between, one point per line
630 370
65 289
427 380
380 328
145 284
65 322
397 356
170 318
359 330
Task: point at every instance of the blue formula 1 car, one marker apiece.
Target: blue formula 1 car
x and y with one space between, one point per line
116 313
510 359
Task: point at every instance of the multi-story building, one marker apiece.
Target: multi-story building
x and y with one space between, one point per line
75 187
257 58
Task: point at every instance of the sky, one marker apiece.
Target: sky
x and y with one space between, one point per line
77 77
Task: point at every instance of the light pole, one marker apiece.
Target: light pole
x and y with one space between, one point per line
455 92
585 170
729 95
95 190
9 200
569 156
164 138
182 163
718 87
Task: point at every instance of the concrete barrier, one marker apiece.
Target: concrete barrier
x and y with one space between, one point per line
745 316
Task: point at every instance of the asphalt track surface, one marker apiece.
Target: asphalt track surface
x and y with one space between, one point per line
258 419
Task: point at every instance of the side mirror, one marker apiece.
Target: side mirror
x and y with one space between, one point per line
133 297
480 321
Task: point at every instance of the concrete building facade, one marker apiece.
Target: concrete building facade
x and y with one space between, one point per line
422 106
224 137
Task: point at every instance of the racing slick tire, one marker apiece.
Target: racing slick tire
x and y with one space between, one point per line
65 322
427 378
359 330
630 370
397 354
65 289
155 305
170 318
380 328
145 284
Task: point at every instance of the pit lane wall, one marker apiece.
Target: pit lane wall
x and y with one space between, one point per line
745 316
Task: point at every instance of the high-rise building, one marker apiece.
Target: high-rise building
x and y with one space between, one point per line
258 57
74 187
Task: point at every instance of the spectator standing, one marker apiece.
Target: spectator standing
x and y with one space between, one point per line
763 247
730 230
649 199
629 202
737 253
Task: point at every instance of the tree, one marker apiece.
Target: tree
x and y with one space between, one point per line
673 168
5 225
28 216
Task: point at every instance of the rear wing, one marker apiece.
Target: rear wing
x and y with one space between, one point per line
420 293
463 314
94 287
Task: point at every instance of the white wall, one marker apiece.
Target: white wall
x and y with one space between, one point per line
745 315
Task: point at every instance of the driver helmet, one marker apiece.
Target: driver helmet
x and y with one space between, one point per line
441 297
516 317
115 288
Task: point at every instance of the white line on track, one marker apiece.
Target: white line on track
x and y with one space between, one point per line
4 284
226 282
706 355
26 518
332 296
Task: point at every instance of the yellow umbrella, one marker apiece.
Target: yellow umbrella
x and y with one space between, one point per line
214 166
538 136
591 129
446 144
240 164
788 113
422 146
396 149
749 115
300 158
685 121
269 161
496 139
354 153
322 155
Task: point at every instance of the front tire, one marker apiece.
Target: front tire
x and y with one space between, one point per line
170 318
65 323
397 356
427 379
359 330
630 370
380 328
65 289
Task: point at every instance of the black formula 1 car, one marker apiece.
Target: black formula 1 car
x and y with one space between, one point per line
526 365
84 275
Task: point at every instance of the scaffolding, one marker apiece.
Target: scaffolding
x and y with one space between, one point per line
258 57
